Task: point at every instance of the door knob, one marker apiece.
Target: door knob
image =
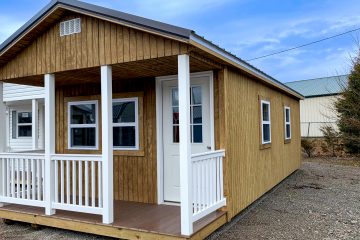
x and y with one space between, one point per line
208 147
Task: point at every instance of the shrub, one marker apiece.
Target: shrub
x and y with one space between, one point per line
308 147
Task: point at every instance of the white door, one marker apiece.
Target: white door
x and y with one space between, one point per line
199 125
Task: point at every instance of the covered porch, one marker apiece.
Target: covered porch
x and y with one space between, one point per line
82 186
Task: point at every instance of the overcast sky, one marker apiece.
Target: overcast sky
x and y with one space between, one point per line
246 28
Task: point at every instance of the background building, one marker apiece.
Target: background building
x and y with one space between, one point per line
317 110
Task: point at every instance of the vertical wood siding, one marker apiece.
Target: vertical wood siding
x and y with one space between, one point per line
99 43
249 171
134 176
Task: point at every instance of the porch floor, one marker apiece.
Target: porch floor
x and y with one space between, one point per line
140 217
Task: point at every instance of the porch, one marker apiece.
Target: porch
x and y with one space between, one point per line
132 220
72 185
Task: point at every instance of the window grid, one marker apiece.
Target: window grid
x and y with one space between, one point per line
287 123
19 125
129 124
265 122
77 126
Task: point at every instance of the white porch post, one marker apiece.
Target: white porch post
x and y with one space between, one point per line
107 144
35 124
49 81
2 120
185 145
2 135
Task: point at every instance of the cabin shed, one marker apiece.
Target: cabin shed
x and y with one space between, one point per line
151 131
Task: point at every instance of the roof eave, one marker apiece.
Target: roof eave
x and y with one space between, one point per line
197 40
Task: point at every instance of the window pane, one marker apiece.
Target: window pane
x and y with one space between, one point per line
13 124
175 115
24 117
124 112
266 132
197 133
175 97
196 95
197 114
83 137
124 136
83 114
25 131
288 130
176 137
265 109
287 115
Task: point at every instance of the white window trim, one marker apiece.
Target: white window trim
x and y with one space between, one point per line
22 124
134 124
287 122
96 125
262 102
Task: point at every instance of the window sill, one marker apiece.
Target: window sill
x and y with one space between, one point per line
265 146
286 141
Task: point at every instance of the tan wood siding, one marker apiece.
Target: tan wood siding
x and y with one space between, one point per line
250 171
134 176
100 42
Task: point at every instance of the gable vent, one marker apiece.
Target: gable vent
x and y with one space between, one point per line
70 27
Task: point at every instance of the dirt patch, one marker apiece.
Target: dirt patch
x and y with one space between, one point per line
320 201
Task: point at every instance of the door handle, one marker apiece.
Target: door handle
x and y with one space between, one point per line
208 147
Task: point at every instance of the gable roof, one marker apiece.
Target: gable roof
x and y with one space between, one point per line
317 87
178 33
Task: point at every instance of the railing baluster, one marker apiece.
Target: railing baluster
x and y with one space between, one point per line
92 183
67 182
80 183
17 179
12 177
33 182
74 182
221 179
22 179
38 173
62 181
3 172
100 183
194 188
56 180
86 183
28 175
8 189
42 178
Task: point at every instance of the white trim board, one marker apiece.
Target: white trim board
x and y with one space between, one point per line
159 130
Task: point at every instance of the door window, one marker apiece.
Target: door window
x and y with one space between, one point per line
196 121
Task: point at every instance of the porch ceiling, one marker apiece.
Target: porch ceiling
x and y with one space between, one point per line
130 70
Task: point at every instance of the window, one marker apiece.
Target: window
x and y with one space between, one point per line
83 125
24 124
265 122
196 123
125 124
287 123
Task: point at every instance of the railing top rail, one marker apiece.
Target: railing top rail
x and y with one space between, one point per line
22 155
205 155
77 157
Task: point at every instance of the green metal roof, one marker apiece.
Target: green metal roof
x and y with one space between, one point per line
320 86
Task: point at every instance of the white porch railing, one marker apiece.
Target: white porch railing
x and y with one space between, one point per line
22 179
208 189
78 183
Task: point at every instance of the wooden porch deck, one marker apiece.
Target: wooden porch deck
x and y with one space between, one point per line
132 221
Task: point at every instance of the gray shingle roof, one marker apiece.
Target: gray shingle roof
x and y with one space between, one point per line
320 86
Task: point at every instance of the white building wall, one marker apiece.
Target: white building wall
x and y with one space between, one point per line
16 92
317 112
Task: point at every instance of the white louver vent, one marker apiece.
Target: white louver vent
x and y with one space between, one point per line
70 27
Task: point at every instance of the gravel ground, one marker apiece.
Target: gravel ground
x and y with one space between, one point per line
319 201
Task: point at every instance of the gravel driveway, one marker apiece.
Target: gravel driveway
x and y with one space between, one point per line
320 201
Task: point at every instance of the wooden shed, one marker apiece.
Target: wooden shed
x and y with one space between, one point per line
151 131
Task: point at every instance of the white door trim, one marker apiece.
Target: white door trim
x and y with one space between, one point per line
159 125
